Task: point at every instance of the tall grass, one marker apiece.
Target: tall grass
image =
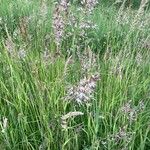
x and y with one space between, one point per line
89 92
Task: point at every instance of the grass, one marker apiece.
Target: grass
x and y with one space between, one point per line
34 79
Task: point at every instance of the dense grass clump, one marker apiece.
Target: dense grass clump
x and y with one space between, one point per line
74 75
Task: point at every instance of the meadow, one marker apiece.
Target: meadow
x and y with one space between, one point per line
74 75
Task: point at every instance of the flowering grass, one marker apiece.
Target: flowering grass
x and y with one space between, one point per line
74 76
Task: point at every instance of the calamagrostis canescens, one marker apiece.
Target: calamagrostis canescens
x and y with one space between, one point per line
67 116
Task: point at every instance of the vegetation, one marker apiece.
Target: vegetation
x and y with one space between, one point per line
74 75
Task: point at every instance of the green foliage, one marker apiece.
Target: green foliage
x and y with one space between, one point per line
34 78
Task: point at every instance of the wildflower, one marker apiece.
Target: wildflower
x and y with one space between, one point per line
132 112
122 134
89 4
58 26
64 4
83 91
59 21
3 124
129 111
69 115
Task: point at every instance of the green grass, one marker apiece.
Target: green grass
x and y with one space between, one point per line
33 88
